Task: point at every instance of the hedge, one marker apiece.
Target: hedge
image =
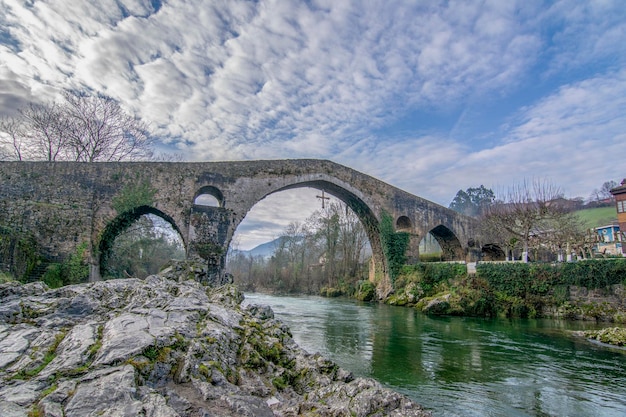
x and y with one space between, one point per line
520 279
429 274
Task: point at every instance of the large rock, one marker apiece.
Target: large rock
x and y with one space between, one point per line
166 347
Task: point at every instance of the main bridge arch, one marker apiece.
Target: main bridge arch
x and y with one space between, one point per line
351 197
63 204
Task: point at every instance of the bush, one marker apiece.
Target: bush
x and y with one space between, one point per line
330 292
430 277
366 291
73 270
20 251
521 279
5 277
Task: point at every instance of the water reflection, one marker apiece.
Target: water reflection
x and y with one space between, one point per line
463 366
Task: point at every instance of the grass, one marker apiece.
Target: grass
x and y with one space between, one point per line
6 277
26 374
596 217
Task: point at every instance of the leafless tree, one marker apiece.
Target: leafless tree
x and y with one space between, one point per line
529 212
604 193
100 130
80 128
12 142
45 131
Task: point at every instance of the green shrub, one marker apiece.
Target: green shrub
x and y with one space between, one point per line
5 277
431 277
366 291
22 249
330 292
73 270
520 279
53 276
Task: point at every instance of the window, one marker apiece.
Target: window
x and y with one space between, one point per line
621 206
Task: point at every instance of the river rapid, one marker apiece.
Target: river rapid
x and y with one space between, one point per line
462 366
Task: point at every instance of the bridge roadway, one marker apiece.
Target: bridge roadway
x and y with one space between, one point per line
63 204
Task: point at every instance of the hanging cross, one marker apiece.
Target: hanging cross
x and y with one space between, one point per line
322 197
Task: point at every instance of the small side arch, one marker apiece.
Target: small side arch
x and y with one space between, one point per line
450 245
209 196
492 252
404 224
121 223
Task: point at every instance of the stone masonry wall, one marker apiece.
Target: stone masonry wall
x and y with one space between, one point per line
66 203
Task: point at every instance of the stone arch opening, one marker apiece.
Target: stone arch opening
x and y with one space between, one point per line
492 252
365 214
451 249
350 202
209 196
404 224
121 224
429 249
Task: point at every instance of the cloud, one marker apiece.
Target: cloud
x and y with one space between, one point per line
573 137
271 216
249 74
371 85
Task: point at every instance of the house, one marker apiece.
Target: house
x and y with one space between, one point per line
608 240
620 202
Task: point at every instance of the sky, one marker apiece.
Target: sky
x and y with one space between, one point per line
429 96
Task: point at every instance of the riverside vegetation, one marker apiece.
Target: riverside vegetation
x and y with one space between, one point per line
587 290
166 346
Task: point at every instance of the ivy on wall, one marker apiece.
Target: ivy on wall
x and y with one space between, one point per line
19 253
133 196
394 245
73 270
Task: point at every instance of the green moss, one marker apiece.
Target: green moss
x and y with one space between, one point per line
93 349
151 352
143 366
133 196
366 291
204 371
394 245
279 383
613 335
180 343
48 357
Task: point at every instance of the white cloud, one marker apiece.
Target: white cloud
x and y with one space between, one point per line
273 71
574 137
225 80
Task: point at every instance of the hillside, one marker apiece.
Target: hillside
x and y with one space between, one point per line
600 216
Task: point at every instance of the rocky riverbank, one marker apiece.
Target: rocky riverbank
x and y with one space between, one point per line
166 347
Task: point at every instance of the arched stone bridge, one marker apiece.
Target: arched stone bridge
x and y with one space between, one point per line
64 204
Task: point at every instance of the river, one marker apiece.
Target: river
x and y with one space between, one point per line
462 366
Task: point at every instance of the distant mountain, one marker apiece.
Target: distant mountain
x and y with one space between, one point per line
264 250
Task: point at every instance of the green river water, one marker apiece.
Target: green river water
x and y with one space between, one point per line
462 366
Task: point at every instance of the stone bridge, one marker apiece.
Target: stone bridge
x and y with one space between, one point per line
64 204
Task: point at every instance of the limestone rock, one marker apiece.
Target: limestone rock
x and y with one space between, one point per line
166 347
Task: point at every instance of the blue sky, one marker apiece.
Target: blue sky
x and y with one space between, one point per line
430 96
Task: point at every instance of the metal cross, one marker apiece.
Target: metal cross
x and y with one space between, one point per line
322 197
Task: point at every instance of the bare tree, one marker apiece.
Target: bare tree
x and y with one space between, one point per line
100 130
81 128
14 144
528 213
45 131
604 193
